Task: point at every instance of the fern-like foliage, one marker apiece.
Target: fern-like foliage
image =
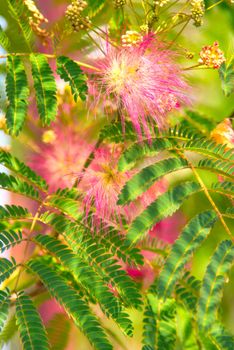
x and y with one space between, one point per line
13 184
159 324
72 302
7 267
226 73
9 212
187 291
88 279
22 170
164 206
4 306
221 337
31 329
45 88
191 237
9 239
17 93
213 282
4 41
71 72
20 14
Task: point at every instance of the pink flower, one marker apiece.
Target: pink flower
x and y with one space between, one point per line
60 161
143 80
102 183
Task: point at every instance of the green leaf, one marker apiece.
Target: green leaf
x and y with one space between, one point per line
137 151
164 206
159 324
13 184
140 182
218 166
174 140
20 14
62 225
117 244
226 74
31 329
13 212
8 330
111 271
45 88
4 306
213 282
190 239
72 73
95 6
58 330
17 94
221 337
66 205
9 239
87 278
187 290
224 188
72 302
22 170
4 41
114 132
7 267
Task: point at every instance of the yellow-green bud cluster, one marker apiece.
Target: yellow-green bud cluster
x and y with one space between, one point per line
161 3
197 12
131 38
75 16
119 3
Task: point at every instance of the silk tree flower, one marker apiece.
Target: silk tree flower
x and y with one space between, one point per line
211 56
61 157
143 80
101 184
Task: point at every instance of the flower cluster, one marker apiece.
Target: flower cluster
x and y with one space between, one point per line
131 38
212 56
74 14
36 20
144 80
197 11
119 3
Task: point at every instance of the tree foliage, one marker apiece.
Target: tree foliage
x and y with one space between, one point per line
84 267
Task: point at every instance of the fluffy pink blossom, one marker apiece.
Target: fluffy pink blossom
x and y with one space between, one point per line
143 80
60 161
102 183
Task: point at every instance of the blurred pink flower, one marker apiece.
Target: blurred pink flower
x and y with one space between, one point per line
102 183
61 161
143 80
